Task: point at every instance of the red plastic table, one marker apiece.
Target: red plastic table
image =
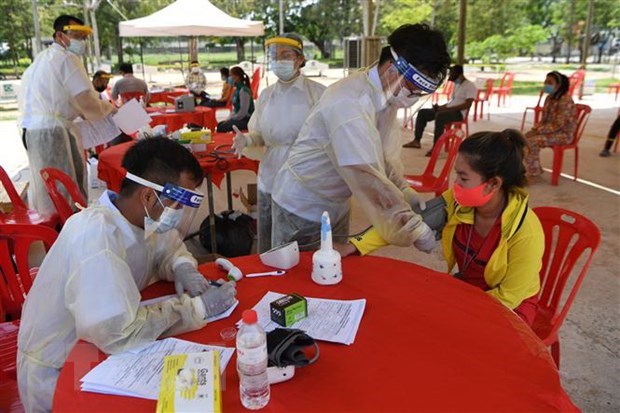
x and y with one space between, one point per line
427 343
176 120
166 96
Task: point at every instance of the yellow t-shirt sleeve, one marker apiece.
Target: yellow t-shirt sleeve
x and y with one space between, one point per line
368 242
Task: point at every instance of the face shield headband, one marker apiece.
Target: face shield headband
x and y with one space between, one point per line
78 28
171 191
413 75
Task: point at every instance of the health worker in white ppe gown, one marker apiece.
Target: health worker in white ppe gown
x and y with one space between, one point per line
88 286
56 90
350 146
280 112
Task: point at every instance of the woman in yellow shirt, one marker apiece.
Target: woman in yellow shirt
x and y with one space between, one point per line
487 228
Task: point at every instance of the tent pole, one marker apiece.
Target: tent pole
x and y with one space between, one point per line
252 53
142 60
181 57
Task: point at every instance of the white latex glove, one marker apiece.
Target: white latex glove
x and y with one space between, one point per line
240 141
426 242
187 278
414 200
219 299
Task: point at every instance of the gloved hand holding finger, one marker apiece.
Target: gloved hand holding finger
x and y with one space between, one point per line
218 300
426 242
187 278
240 141
414 200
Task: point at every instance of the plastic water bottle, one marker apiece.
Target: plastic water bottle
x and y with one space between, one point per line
252 362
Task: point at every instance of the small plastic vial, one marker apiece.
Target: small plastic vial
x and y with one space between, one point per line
252 362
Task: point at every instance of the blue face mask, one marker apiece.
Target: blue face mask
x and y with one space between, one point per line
549 89
77 46
283 69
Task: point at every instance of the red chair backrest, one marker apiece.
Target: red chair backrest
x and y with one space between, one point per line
127 96
16 280
583 113
575 81
450 140
18 204
51 176
255 82
567 237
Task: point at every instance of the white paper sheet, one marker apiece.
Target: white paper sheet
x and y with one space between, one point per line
97 132
328 320
137 373
131 117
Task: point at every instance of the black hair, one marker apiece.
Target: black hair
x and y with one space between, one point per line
65 20
125 68
456 70
237 71
159 160
224 71
420 45
500 154
194 62
99 73
563 84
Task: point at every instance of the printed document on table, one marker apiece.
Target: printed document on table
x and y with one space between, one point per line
131 117
97 132
137 373
328 320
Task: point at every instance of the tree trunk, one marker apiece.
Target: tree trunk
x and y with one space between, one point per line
323 46
240 42
119 47
571 19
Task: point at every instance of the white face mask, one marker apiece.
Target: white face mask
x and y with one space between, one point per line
403 100
283 69
77 46
195 69
168 220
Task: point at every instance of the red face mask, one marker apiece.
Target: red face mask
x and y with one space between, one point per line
471 197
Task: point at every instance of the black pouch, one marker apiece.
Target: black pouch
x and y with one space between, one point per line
286 348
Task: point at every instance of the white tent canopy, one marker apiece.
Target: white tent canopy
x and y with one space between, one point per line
190 18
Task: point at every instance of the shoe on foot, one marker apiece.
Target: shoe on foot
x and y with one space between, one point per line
429 153
412 144
605 153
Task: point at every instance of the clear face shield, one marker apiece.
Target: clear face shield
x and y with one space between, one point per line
284 57
413 88
178 205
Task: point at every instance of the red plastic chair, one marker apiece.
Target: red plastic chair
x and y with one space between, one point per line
127 96
575 80
536 109
447 90
462 124
9 395
568 236
428 181
21 214
583 112
51 178
505 88
614 88
481 100
17 276
255 83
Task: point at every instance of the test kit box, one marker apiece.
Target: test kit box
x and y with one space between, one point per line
289 309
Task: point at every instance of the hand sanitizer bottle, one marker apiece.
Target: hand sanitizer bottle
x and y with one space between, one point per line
326 264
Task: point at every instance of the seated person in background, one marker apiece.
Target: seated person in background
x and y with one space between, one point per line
464 94
242 102
196 81
487 228
611 137
129 84
88 287
101 78
227 88
557 124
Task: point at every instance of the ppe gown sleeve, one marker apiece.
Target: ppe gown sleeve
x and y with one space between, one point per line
171 253
357 152
93 108
103 298
254 125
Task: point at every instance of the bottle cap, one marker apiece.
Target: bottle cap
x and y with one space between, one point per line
249 317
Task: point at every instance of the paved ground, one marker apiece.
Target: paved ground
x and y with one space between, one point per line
590 367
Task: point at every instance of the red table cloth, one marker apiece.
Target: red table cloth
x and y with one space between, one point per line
167 96
427 343
202 116
110 171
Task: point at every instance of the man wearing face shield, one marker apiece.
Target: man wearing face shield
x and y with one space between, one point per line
465 92
88 286
293 95
56 90
350 145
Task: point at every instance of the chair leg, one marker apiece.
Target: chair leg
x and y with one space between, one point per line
555 353
558 155
576 162
475 110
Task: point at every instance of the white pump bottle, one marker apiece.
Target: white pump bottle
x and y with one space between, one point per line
326 262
